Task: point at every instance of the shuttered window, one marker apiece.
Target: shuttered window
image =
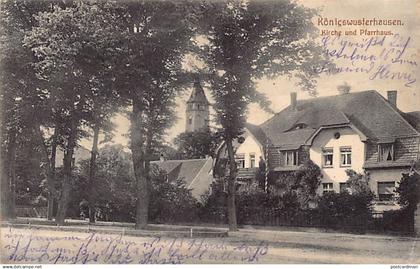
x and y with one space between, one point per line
386 190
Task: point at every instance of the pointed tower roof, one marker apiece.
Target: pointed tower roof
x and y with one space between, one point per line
198 95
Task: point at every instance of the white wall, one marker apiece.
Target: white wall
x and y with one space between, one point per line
382 175
348 138
250 146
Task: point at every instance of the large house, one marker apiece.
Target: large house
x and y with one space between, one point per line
362 131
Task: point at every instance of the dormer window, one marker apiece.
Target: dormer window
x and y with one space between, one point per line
299 126
386 152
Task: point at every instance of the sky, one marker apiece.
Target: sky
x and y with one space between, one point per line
394 65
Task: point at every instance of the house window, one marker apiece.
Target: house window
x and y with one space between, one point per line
327 154
300 126
290 157
386 190
252 160
327 187
344 187
386 152
240 160
345 153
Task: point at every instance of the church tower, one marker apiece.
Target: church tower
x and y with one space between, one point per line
197 109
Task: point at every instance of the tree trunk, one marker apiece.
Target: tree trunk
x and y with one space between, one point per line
5 195
50 166
51 180
11 172
68 163
8 160
148 153
142 186
92 173
233 226
149 140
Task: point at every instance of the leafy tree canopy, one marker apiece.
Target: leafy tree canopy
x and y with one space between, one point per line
195 145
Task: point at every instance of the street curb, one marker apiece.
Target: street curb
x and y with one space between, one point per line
168 230
330 234
193 232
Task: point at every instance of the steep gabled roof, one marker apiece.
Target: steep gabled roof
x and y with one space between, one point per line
413 118
257 132
190 169
198 95
368 111
195 173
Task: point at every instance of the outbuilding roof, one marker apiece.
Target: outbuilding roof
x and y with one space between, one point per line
194 172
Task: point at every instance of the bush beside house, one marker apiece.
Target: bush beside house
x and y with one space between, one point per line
173 203
350 210
408 197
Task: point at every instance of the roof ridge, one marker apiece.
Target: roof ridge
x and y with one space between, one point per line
397 111
270 119
198 173
314 99
336 95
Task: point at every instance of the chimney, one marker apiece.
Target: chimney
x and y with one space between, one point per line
293 100
392 97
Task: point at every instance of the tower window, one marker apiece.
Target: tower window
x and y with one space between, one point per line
198 106
190 120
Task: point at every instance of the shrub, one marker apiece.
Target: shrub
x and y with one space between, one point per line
409 191
171 202
251 202
358 183
395 221
345 210
301 184
213 208
408 197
